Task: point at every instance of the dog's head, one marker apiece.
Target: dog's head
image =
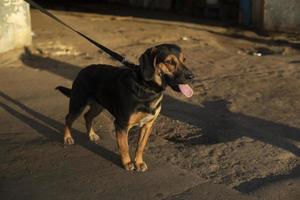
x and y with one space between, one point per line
164 64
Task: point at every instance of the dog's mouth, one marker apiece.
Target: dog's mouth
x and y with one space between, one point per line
185 89
180 85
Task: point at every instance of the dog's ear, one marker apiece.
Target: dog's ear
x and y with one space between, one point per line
147 63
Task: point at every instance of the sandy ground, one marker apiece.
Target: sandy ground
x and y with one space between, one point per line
237 138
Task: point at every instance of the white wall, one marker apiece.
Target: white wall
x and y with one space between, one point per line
15 28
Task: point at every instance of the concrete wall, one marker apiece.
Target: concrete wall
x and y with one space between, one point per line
15 28
281 15
152 4
257 13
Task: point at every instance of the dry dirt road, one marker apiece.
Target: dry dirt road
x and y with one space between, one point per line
237 138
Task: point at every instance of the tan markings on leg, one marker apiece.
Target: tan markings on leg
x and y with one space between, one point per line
143 138
122 141
70 118
93 136
67 136
89 117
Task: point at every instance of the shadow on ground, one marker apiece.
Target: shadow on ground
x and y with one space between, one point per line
52 129
212 117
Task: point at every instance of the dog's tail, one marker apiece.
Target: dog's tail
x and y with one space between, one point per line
64 90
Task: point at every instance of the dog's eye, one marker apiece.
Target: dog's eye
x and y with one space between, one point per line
170 62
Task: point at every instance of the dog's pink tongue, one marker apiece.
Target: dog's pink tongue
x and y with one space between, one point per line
186 90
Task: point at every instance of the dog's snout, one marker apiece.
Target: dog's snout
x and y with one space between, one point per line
190 76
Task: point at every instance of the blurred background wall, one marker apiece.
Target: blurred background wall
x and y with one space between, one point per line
269 15
15 29
281 15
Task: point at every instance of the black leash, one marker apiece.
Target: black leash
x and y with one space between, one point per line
113 54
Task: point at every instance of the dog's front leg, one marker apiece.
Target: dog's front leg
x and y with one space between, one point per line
143 138
122 141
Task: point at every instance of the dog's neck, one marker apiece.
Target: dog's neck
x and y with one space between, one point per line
153 85
142 89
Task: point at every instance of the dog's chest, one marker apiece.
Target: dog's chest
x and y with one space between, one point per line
145 120
142 118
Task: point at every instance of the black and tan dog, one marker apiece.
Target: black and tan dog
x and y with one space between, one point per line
132 96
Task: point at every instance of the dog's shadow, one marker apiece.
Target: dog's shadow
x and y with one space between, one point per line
52 129
221 125
213 117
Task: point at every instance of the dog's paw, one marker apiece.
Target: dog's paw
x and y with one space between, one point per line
129 166
68 141
94 137
141 167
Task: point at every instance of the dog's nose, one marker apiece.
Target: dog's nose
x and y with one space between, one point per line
190 76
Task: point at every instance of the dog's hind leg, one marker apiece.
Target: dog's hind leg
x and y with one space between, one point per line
94 111
77 104
70 118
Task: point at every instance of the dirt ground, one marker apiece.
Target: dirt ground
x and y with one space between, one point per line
238 137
